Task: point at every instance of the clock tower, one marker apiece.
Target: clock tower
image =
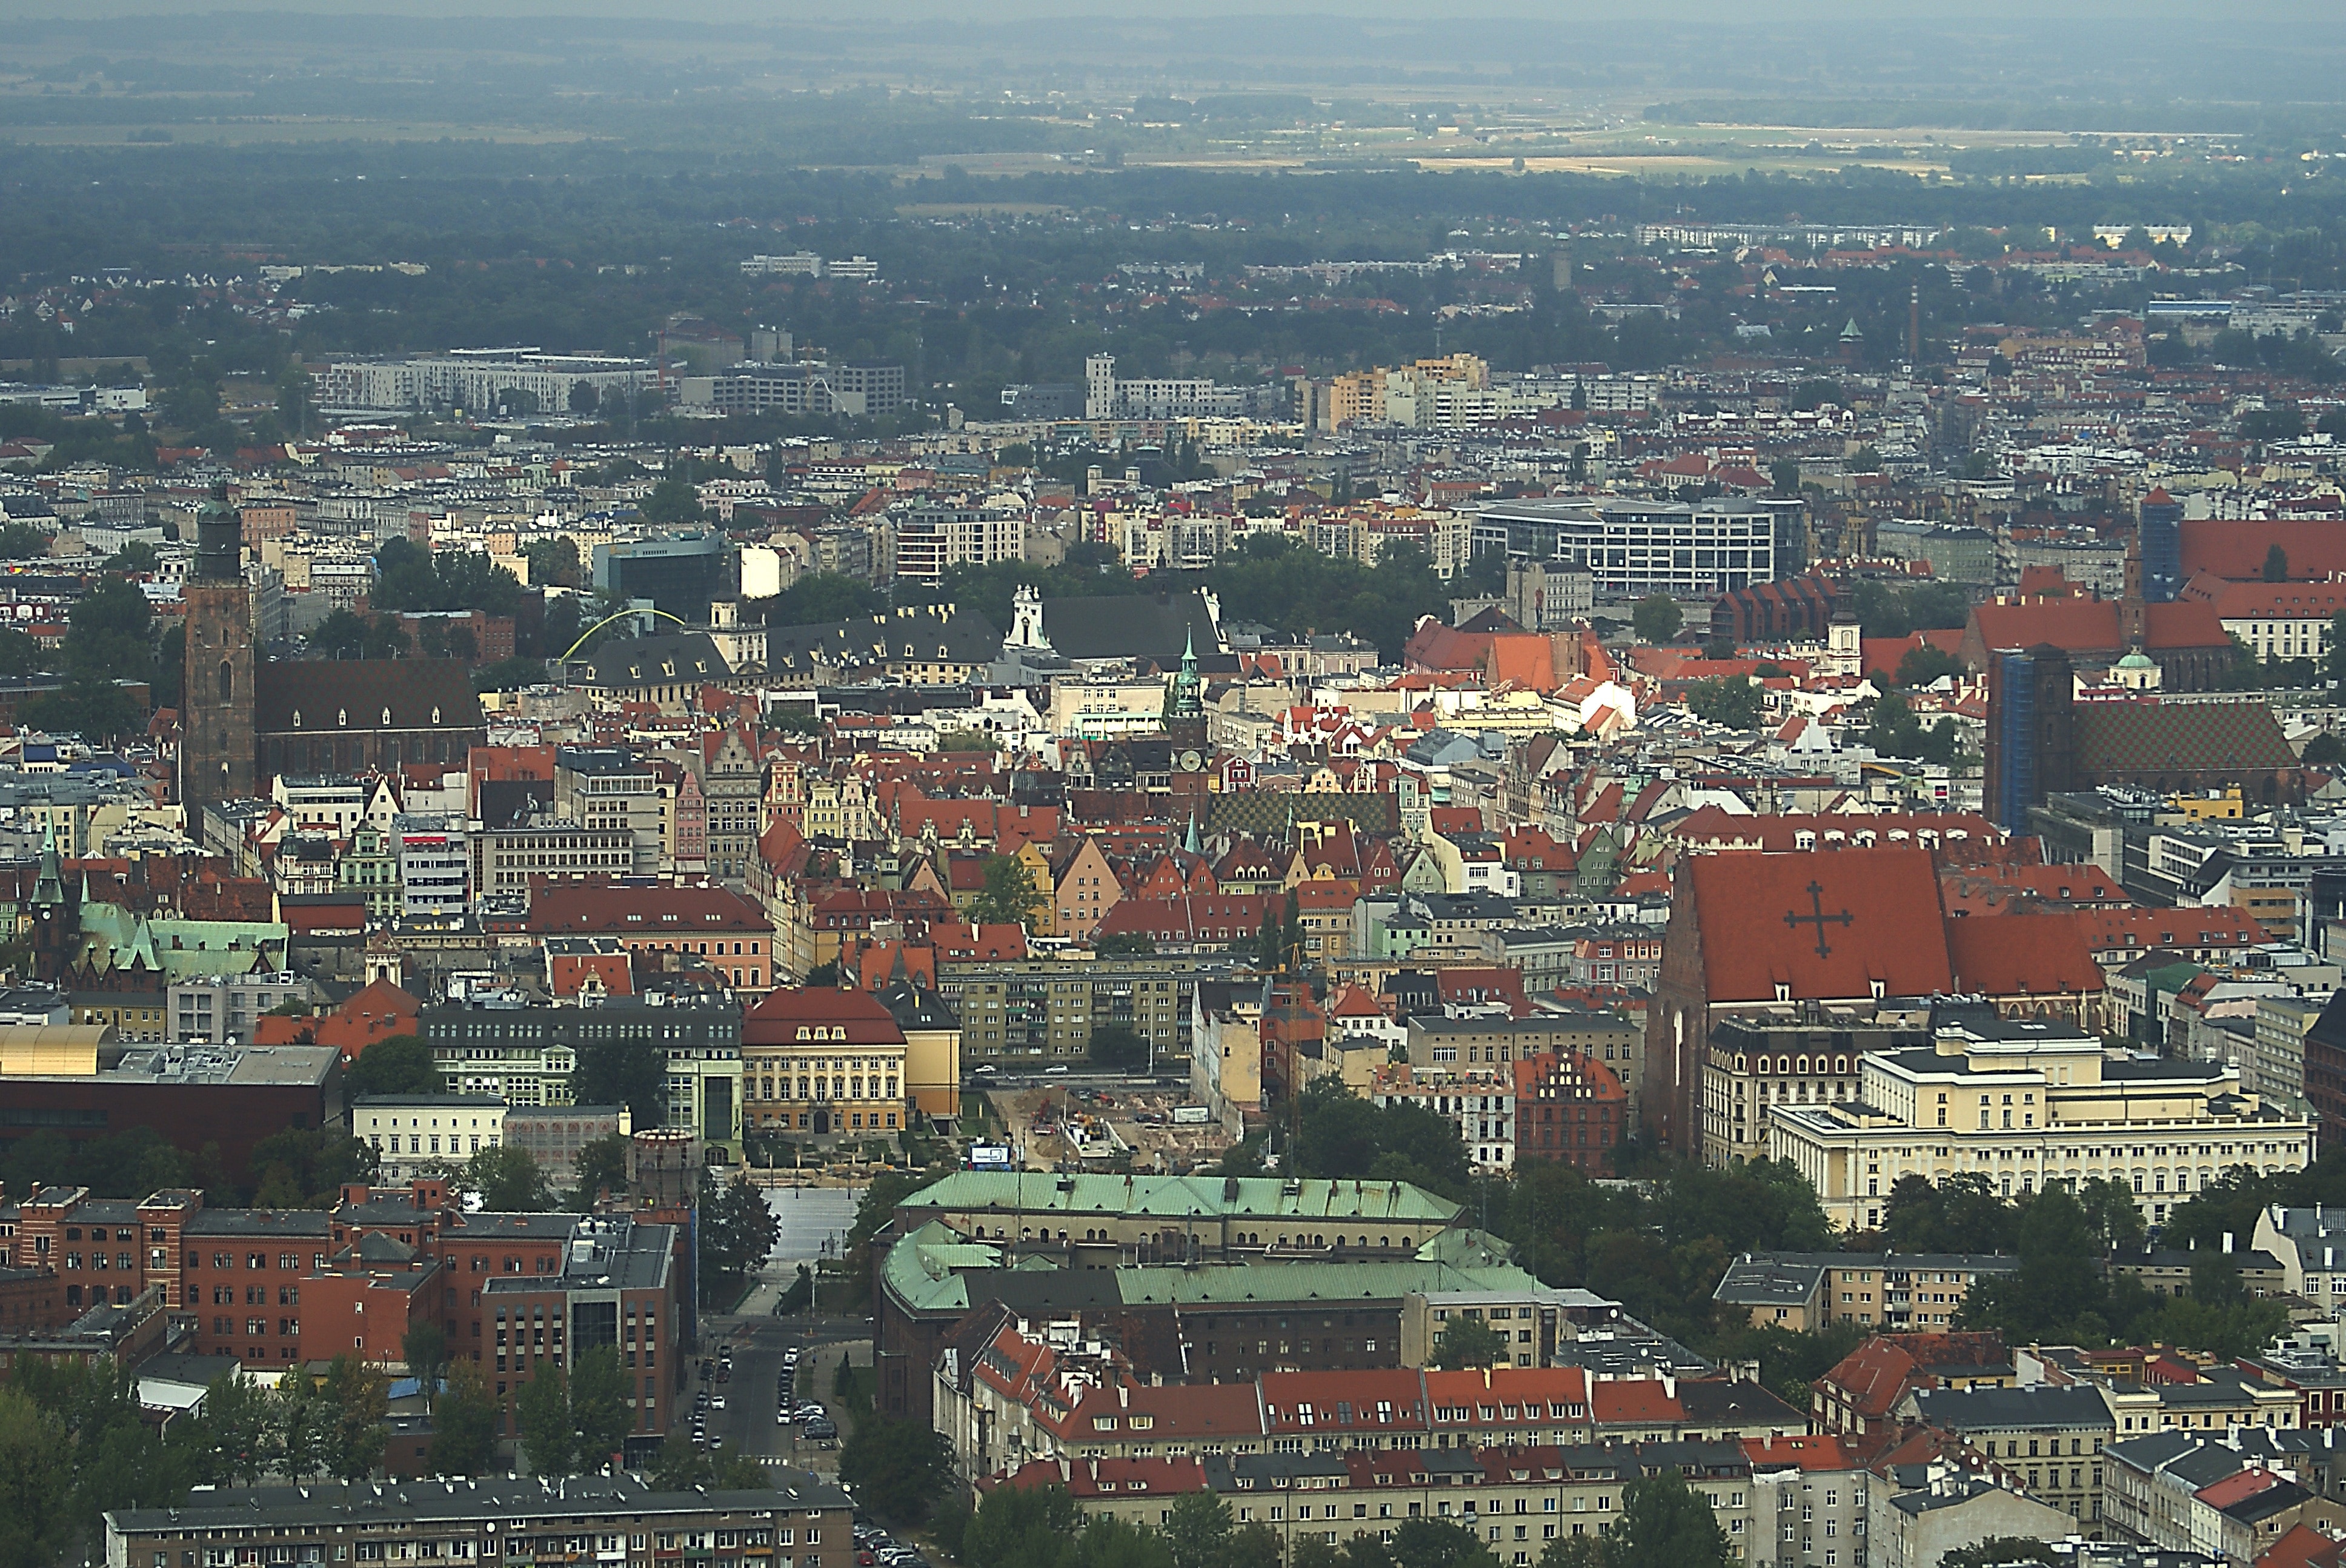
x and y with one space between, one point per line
1185 715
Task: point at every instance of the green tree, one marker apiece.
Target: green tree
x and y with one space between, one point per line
1471 1343
1664 1523
88 706
1125 944
111 634
2276 564
602 1166
342 634
673 501
240 1430
2111 1213
1439 1543
2325 750
1656 618
549 1444
138 555
507 1178
1735 703
1924 664
424 1348
1118 1048
464 1423
555 563
1574 1552
1784 478
23 542
820 598
897 1468
967 740
21 655
599 1413
1009 895
36 1483
356 1399
628 1073
394 1065
1021 1527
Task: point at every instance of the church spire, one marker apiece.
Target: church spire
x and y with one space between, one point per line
49 884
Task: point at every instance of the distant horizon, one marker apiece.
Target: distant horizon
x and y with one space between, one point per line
1867 15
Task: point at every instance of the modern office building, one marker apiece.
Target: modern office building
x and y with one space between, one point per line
2160 518
680 573
1636 547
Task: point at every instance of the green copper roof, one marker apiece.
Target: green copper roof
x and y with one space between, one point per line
1265 1198
1223 1284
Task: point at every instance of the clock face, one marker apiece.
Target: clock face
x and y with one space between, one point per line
1191 761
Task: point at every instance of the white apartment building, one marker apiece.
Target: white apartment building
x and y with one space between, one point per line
1166 398
434 868
1481 1105
2028 1104
417 1134
926 537
1635 547
506 859
1096 709
475 378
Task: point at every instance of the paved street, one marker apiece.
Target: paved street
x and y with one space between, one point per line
811 1223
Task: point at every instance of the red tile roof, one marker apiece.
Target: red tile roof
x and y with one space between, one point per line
853 1016
1821 925
2021 955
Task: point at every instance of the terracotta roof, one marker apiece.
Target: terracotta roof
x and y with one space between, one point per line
1820 925
2021 955
2302 1547
2229 547
781 1014
2076 625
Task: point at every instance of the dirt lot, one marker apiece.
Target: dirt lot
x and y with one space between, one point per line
1111 1120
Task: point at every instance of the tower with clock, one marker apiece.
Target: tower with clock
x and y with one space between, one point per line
1185 715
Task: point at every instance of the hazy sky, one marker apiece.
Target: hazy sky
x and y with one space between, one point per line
2327 21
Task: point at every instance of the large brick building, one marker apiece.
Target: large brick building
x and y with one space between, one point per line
276 1288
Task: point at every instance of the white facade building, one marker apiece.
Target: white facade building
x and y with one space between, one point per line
2028 1104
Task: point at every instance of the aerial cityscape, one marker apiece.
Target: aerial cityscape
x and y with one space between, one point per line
1030 787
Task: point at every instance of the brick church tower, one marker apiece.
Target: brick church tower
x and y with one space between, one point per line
216 705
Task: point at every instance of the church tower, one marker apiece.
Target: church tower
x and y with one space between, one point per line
1185 714
216 703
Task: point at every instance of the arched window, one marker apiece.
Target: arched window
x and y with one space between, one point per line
227 682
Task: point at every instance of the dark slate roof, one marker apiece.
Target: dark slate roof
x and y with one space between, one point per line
919 633
1131 625
2139 737
1998 1410
332 695
656 661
